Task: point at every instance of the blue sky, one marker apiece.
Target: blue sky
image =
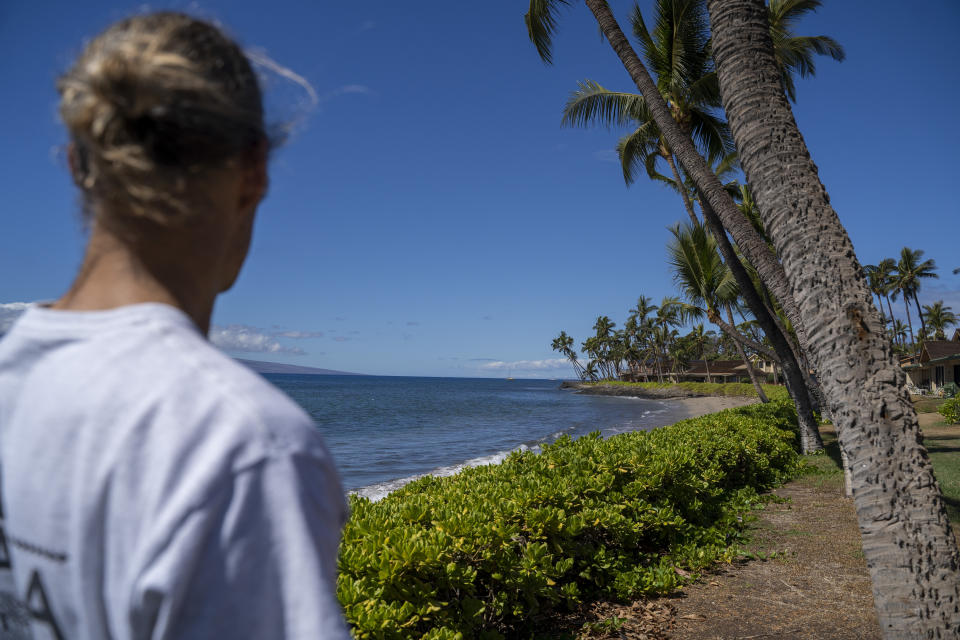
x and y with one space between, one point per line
431 217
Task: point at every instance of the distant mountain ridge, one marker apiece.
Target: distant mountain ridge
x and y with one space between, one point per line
276 367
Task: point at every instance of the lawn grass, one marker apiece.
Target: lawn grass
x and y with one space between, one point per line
927 405
942 441
943 444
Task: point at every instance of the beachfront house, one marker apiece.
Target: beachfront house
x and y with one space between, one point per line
719 371
937 364
695 371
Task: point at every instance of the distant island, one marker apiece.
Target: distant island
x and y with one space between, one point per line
276 367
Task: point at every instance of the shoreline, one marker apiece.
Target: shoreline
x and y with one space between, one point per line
682 407
698 406
633 391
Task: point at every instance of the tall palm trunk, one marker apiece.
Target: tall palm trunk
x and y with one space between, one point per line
907 540
706 363
906 304
883 317
923 323
750 370
800 390
892 323
746 237
688 205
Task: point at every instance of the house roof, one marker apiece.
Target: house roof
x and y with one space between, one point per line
938 350
717 368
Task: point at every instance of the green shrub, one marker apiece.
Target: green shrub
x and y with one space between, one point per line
950 410
743 389
484 553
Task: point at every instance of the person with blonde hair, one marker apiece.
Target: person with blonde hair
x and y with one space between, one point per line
151 486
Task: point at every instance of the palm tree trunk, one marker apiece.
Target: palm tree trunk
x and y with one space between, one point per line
907 539
742 340
797 381
883 317
688 205
746 237
750 371
906 304
892 323
923 323
706 363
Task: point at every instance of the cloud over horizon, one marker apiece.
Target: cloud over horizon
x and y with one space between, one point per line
549 364
298 335
241 338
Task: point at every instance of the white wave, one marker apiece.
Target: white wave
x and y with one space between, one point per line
380 490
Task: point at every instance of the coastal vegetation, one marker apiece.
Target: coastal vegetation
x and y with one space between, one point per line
792 261
495 550
889 279
732 389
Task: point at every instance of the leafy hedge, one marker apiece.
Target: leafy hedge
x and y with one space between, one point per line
950 410
484 553
745 389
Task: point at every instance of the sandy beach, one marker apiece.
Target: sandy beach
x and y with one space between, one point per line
710 404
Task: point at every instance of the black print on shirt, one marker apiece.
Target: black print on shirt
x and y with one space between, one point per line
39 606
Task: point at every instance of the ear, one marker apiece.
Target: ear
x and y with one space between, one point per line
254 183
78 164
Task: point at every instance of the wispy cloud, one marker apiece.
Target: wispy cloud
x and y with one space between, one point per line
240 338
298 335
9 312
341 339
526 365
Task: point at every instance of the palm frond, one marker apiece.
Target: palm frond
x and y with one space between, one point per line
639 150
591 103
711 134
541 21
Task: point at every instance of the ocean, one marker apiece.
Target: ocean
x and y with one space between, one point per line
386 431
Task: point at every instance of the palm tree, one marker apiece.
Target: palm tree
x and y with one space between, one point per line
939 318
590 371
563 344
899 331
708 284
877 284
885 273
907 539
701 339
677 49
795 54
678 53
910 271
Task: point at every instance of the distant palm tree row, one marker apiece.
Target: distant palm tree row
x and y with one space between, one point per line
649 344
890 279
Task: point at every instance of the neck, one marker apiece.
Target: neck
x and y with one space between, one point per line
116 274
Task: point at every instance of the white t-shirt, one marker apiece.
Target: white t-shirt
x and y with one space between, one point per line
152 487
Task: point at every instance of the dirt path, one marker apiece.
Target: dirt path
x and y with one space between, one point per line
815 585
803 576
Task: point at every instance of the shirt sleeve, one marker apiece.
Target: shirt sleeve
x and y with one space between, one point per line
260 562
